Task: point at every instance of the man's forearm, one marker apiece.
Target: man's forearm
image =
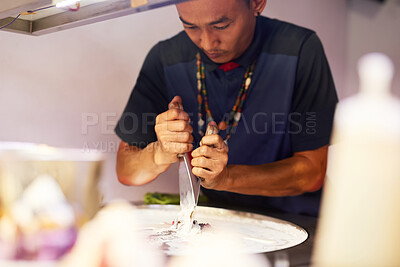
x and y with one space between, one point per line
136 166
288 177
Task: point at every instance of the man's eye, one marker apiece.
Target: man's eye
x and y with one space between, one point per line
191 27
222 28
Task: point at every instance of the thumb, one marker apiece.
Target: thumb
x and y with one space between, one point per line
212 128
176 102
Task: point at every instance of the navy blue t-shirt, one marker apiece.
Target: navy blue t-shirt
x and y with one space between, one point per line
289 106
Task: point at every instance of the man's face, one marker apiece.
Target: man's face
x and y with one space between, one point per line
223 29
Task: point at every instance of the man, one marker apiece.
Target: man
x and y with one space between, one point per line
266 81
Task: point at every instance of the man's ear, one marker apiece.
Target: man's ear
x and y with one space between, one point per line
258 6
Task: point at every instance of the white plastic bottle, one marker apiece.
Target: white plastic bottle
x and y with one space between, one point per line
360 215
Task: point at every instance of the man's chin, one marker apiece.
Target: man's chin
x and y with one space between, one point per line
221 61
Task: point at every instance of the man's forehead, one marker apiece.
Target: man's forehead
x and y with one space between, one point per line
208 11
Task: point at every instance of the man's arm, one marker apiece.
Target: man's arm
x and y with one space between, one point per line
303 172
136 166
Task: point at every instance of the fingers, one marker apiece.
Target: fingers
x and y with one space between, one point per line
179 137
176 148
210 159
176 102
209 163
211 170
171 127
171 115
173 130
214 141
175 112
205 174
211 141
175 136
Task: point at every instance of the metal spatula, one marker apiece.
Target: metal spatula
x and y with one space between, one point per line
187 180
189 184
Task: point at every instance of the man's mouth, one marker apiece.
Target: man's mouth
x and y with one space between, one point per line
214 54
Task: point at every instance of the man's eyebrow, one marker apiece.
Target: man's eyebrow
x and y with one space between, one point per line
220 20
184 21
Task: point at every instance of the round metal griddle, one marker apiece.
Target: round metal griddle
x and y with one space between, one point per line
259 233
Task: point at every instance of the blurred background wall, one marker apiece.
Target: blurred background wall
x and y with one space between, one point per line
68 89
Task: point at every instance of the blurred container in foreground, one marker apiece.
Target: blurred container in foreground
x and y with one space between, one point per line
360 217
114 239
46 193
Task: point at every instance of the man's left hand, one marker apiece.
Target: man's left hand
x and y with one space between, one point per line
209 162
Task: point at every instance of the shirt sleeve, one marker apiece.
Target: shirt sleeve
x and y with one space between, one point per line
148 99
314 99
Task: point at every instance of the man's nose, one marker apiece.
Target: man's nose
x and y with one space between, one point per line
208 40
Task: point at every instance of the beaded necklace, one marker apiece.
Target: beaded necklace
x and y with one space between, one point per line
235 114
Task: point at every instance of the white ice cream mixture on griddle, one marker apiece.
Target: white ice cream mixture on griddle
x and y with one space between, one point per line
257 235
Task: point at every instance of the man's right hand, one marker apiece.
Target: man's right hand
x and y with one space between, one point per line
174 133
